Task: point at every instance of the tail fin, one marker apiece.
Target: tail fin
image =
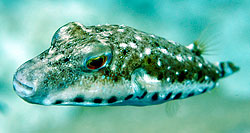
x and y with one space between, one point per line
227 68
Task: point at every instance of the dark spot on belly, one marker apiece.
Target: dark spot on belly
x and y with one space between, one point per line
78 99
203 91
168 96
97 100
155 96
128 97
190 94
178 95
112 99
143 95
58 101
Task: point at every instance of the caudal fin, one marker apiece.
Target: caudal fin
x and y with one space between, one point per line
227 68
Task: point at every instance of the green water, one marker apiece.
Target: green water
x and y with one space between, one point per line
26 29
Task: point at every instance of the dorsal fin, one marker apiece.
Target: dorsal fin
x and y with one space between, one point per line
197 48
205 42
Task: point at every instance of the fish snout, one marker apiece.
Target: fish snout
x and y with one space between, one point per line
23 80
23 86
27 81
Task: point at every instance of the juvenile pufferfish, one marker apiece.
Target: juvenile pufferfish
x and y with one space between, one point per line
115 65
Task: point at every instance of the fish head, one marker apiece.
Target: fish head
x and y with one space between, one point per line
74 70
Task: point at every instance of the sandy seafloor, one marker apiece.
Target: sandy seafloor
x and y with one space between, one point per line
26 29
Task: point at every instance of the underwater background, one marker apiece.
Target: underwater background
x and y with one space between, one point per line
26 29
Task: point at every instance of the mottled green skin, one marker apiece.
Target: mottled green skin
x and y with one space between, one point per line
61 66
131 56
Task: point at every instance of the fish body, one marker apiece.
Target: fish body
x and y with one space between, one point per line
115 65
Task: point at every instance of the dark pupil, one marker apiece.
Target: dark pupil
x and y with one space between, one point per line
96 62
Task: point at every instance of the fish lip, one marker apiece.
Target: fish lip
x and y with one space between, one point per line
21 89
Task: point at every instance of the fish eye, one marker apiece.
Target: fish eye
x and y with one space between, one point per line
96 63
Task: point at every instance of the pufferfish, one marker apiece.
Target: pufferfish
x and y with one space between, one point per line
115 65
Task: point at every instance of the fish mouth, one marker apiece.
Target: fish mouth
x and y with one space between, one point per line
22 89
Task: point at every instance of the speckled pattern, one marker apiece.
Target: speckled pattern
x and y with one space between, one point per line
143 69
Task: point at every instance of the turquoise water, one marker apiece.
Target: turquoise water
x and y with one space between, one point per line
27 28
